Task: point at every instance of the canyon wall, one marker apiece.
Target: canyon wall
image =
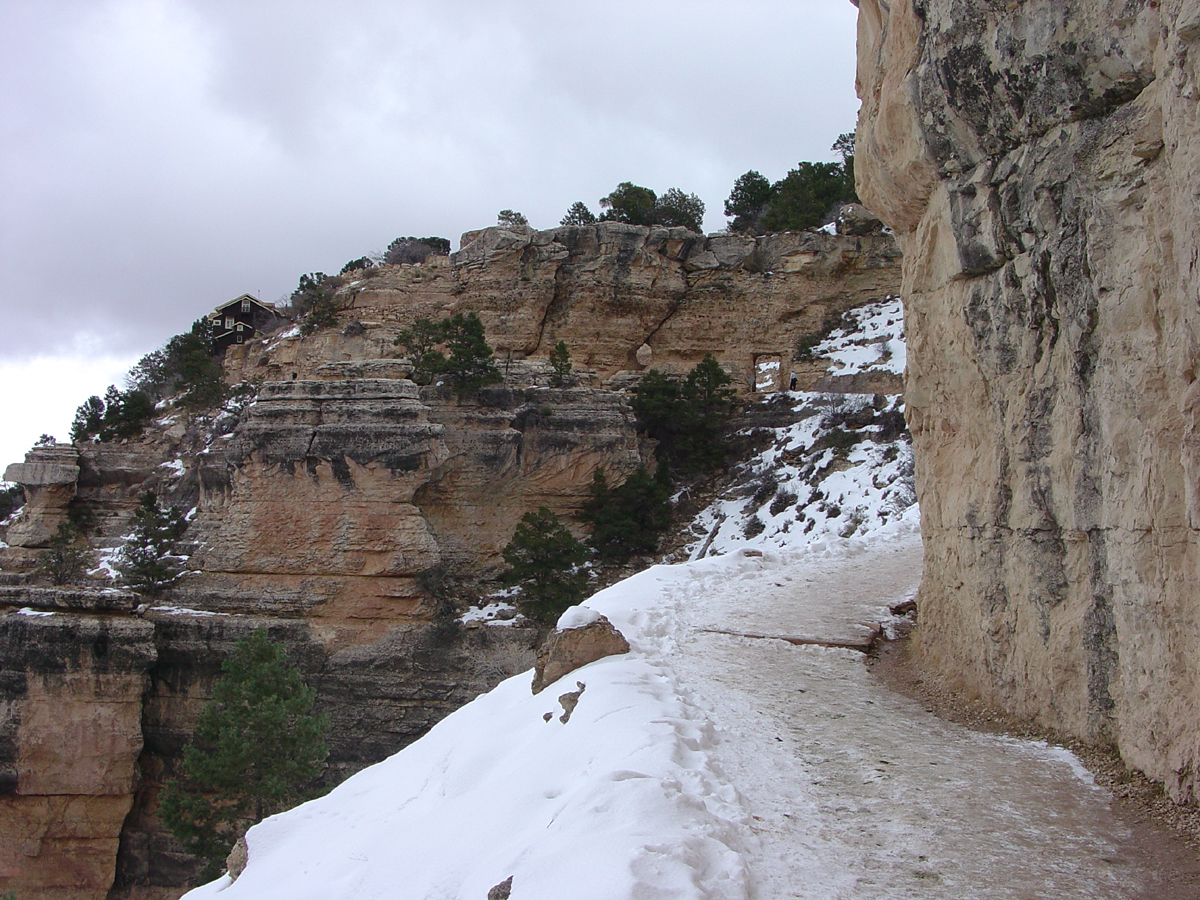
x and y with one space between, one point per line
1039 163
341 505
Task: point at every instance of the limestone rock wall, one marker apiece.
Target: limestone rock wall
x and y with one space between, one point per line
1039 163
70 737
606 290
338 499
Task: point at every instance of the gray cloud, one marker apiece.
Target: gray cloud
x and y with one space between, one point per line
160 156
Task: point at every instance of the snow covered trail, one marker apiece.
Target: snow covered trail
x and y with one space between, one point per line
855 791
709 766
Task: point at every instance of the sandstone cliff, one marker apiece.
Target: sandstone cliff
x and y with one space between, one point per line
1038 161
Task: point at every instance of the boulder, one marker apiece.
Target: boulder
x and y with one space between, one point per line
567 649
856 219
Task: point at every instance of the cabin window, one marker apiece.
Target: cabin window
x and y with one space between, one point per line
245 306
240 339
229 321
240 326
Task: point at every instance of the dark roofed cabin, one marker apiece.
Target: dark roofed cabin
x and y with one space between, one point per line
239 320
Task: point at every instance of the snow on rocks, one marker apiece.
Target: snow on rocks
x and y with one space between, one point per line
495 613
589 637
873 338
844 469
577 617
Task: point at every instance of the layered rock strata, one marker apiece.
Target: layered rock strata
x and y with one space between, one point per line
339 499
624 298
1038 162
70 738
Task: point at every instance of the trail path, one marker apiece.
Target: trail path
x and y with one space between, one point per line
858 792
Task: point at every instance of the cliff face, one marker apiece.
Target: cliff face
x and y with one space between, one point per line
1038 161
609 291
70 737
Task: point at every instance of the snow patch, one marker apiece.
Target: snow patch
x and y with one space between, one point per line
872 339
577 617
185 611
498 613
174 466
37 613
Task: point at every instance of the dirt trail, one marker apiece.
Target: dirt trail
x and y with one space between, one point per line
856 790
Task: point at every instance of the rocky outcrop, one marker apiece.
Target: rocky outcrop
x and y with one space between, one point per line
572 646
70 738
1038 161
623 298
48 476
340 499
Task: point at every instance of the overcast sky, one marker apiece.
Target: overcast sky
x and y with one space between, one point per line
158 157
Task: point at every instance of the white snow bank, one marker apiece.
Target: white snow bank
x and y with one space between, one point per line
620 801
577 617
37 613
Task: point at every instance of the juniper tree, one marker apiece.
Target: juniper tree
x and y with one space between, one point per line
256 749
64 561
420 341
469 365
686 417
628 519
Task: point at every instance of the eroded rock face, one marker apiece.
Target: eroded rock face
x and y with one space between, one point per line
608 291
70 737
48 477
1039 163
338 499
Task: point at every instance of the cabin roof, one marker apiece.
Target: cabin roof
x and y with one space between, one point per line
236 301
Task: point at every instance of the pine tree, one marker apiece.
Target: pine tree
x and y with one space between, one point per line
146 562
544 558
469 365
686 418
65 562
560 360
256 747
420 341
578 214
629 519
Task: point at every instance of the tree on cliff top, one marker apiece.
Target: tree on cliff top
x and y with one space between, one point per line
804 198
578 214
256 748
639 205
415 249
